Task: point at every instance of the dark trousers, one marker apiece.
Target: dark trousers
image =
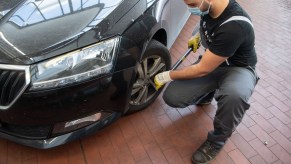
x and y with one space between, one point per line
233 85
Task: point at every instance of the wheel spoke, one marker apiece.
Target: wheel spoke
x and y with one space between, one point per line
152 83
140 71
156 67
137 86
141 96
155 71
157 62
135 90
145 95
145 67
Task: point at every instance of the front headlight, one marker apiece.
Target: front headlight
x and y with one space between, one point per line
76 66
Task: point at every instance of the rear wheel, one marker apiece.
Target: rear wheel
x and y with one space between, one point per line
155 60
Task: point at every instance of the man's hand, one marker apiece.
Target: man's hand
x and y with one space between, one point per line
194 42
162 78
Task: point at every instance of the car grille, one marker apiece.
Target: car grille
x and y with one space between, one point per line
31 132
12 84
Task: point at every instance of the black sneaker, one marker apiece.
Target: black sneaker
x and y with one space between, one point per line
206 153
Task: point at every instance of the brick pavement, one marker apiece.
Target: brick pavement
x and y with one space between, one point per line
161 134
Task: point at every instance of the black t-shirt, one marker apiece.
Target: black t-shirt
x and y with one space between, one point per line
234 39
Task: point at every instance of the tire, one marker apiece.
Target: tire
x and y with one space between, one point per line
155 60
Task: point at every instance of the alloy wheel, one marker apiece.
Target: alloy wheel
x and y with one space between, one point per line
144 87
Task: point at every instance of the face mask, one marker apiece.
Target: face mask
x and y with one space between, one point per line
197 11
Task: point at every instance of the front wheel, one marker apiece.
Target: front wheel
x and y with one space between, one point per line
155 60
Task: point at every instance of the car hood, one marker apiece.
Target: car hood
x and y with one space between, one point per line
35 30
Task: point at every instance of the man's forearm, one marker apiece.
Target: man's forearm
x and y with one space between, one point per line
207 64
189 72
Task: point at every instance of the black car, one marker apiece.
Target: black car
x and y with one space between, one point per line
71 67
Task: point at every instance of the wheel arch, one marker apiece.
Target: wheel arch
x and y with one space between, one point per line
161 36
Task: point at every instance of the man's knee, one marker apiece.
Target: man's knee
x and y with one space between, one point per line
234 101
172 100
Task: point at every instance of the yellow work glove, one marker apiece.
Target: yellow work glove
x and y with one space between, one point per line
161 79
194 42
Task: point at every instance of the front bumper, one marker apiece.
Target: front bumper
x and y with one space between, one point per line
31 120
65 138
